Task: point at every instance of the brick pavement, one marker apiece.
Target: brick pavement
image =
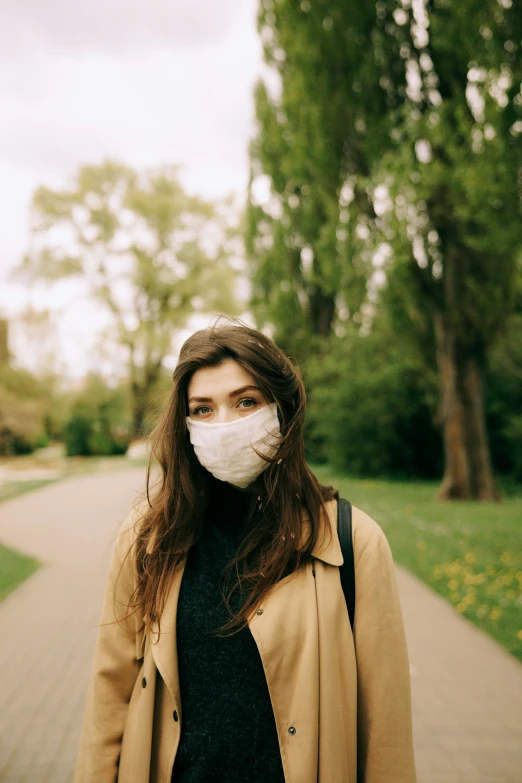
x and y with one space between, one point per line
467 692
49 623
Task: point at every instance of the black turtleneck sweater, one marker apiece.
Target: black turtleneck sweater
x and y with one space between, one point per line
228 730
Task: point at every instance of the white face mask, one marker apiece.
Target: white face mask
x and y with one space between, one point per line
225 448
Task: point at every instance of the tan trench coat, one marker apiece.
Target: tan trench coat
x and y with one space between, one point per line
351 712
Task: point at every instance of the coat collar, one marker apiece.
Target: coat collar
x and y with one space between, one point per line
327 551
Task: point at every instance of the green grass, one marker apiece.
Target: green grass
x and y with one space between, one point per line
14 488
468 552
14 568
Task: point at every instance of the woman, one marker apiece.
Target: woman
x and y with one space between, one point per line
225 651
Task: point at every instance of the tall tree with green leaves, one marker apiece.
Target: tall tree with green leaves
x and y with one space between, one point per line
324 114
391 139
148 252
450 198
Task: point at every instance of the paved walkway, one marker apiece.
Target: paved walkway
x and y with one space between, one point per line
467 692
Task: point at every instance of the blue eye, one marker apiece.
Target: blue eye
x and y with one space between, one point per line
245 399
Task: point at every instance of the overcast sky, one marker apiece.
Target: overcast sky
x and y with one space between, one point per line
167 81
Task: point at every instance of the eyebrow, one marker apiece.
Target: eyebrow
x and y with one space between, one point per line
232 394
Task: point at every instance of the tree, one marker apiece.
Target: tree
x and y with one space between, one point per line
393 141
148 252
337 86
450 198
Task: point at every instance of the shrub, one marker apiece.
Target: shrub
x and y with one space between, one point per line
371 408
504 401
99 421
21 423
77 433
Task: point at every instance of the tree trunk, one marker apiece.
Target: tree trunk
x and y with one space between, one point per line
456 481
141 392
482 481
467 470
4 341
322 309
139 409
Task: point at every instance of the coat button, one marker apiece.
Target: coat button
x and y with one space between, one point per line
260 611
175 715
144 682
292 730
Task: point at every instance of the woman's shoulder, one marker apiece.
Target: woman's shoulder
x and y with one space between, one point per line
129 528
368 536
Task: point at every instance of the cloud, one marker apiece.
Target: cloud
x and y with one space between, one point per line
115 27
185 105
191 106
162 82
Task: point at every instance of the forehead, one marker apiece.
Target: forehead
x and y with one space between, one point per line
226 377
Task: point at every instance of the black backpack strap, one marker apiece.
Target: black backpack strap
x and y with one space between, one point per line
347 570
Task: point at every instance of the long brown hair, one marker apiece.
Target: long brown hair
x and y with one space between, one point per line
172 523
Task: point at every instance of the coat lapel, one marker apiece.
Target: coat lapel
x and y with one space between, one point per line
163 645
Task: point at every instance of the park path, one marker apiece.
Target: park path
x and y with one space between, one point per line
48 623
466 691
